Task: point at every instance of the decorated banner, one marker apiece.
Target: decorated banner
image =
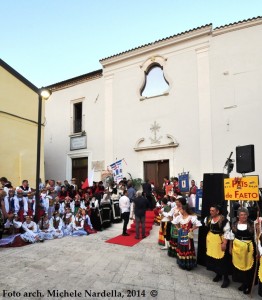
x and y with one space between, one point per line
199 195
169 190
183 180
117 170
241 188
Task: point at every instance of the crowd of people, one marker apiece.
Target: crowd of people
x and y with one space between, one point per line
62 209
232 249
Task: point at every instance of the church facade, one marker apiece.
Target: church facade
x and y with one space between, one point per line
180 104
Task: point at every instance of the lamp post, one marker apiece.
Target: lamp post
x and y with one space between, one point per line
43 94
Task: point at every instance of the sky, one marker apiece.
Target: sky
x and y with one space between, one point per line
48 41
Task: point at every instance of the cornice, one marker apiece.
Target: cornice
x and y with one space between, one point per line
75 81
191 34
237 26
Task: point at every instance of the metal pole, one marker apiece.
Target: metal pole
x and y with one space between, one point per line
38 157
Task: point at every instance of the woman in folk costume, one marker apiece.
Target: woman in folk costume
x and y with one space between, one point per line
88 227
45 230
3 212
68 203
22 204
186 222
56 225
68 220
78 224
31 234
85 204
77 203
95 214
165 225
243 250
174 231
62 194
156 210
218 258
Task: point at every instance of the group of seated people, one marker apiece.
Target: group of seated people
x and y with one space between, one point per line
63 212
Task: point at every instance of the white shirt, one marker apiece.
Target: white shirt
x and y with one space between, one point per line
124 204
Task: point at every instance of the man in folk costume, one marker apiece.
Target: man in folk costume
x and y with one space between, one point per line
192 195
23 204
165 222
44 228
51 203
24 187
58 206
56 225
6 185
31 203
11 206
218 258
31 235
12 224
68 203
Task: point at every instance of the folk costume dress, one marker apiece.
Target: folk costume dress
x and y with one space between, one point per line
243 254
56 225
44 229
173 236
68 220
31 235
162 241
260 267
78 226
186 255
217 260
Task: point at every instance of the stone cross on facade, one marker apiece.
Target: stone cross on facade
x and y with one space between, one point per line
154 128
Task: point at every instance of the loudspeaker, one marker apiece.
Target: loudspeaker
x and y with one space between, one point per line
245 159
213 194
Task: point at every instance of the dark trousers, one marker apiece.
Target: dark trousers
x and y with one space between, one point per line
125 217
140 220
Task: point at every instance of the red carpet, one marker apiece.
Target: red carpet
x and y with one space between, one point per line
130 240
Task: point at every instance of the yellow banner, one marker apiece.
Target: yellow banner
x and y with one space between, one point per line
241 188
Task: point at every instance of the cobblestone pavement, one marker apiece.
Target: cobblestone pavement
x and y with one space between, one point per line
83 267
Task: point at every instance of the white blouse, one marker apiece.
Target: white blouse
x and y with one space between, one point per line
193 218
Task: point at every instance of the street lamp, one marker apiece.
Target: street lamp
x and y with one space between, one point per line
43 94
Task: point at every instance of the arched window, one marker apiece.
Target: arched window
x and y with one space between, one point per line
155 82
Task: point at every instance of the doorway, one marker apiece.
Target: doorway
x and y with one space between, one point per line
79 169
155 171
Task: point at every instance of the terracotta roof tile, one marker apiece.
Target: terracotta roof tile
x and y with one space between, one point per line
238 22
157 41
76 80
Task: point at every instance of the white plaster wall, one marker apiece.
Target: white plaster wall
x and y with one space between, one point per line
59 127
207 75
177 113
236 82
